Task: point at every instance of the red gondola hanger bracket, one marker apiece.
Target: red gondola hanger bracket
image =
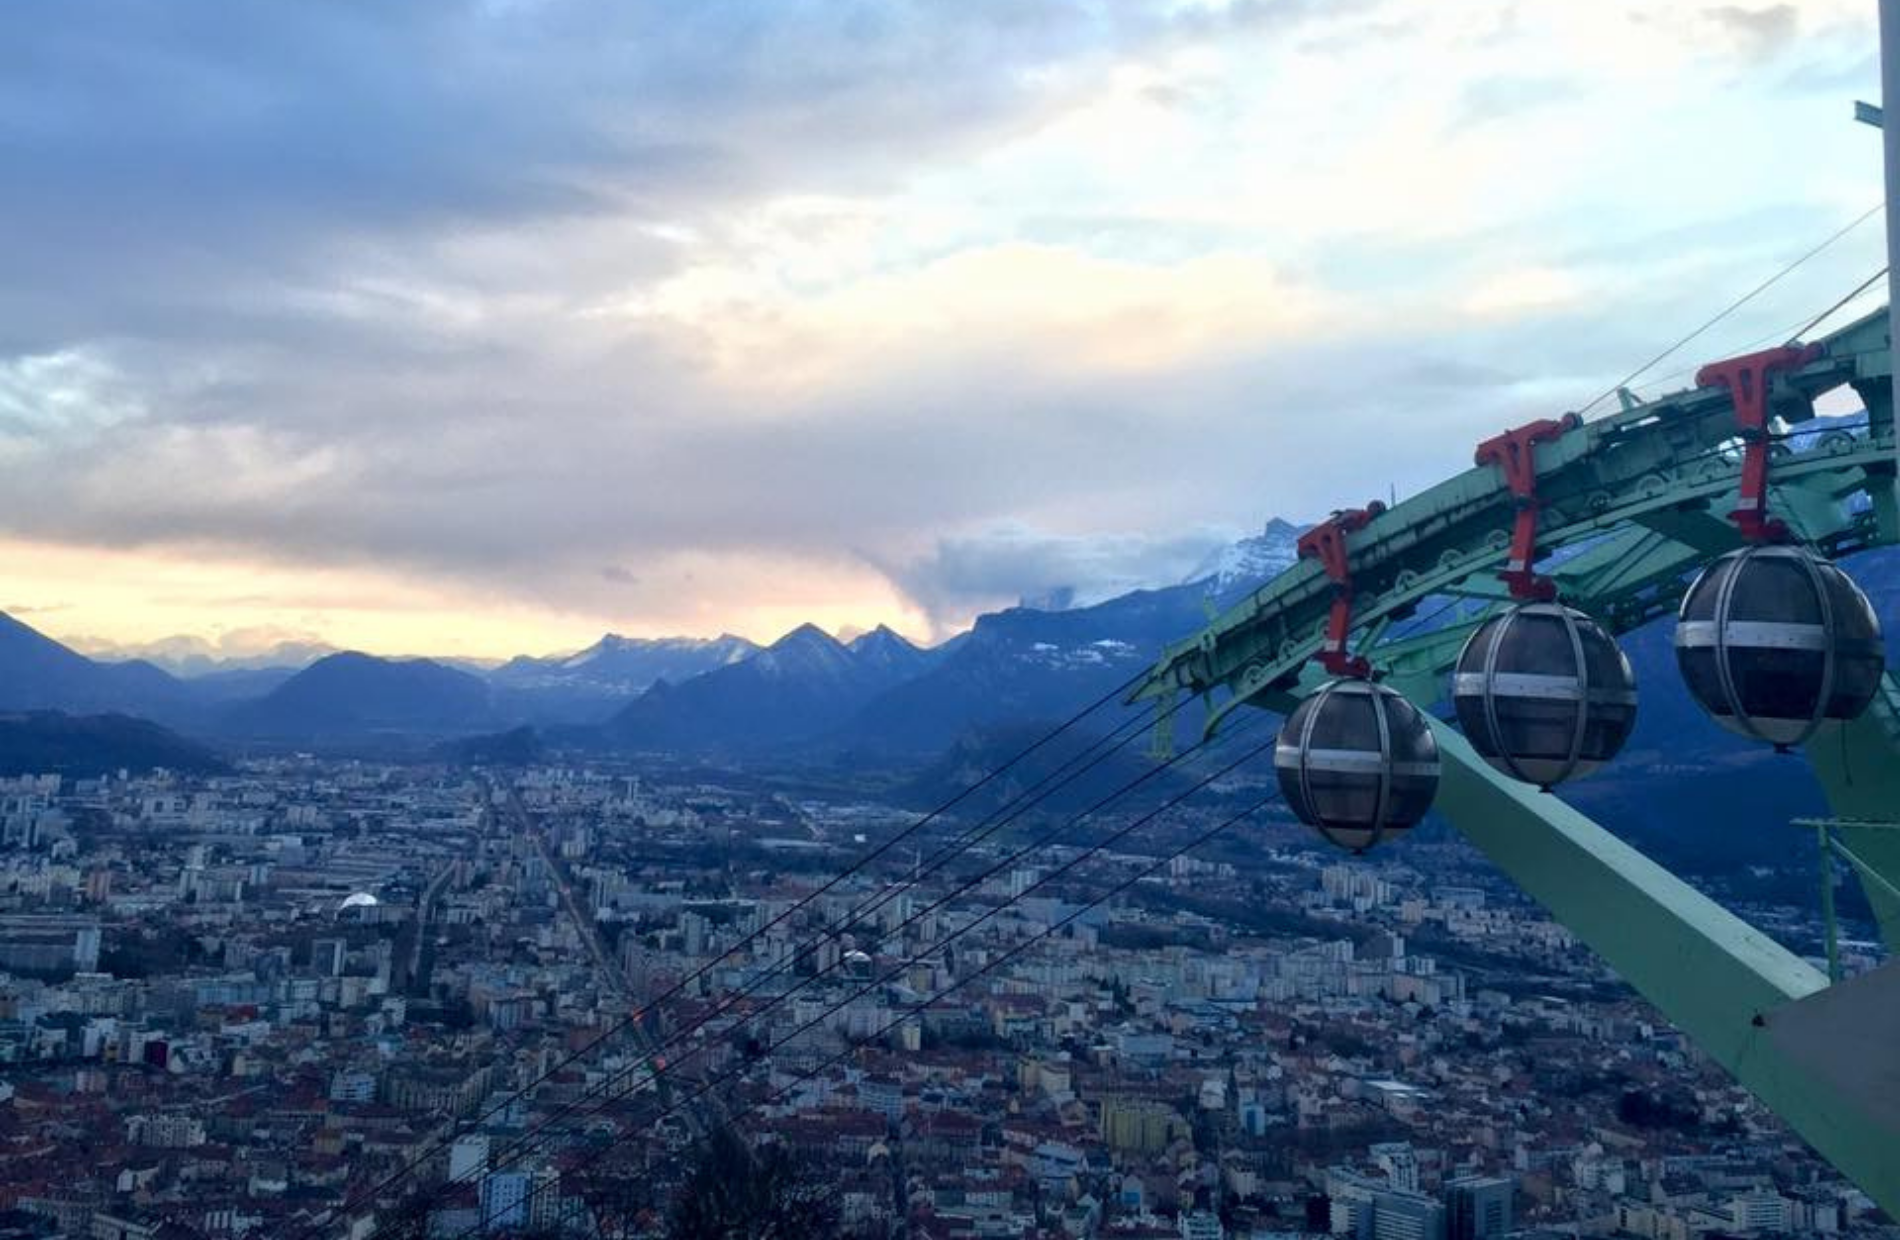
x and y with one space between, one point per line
1515 454
1326 542
1749 379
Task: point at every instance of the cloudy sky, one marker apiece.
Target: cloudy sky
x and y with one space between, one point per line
482 327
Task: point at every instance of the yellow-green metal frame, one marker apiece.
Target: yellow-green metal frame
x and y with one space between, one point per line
1630 506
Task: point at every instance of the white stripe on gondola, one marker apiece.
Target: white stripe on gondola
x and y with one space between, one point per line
1753 635
1348 762
1542 688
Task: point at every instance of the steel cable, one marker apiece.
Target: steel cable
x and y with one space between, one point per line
517 1150
923 1004
316 1227
1733 306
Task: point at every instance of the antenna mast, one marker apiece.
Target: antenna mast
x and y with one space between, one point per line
1890 148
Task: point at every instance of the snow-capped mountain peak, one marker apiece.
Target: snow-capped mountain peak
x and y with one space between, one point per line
887 649
725 648
1251 560
620 665
879 638
804 650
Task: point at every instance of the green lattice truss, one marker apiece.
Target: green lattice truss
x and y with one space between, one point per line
1630 506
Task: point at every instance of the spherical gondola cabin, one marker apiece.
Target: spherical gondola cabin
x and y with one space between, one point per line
1357 763
1544 694
1773 640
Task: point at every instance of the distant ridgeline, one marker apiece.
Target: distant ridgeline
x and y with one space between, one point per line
809 698
52 742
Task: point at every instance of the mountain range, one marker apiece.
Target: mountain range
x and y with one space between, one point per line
618 666
187 656
808 690
804 685
53 742
37 673
810 697
353 694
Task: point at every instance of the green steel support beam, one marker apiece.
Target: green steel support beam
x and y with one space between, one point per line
1699 530
1629 506
1839 1044
1720 980
1830 925
1859 769
1867 870
1878 397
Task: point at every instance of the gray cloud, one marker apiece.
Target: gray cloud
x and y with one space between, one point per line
252 220
467 485
194 655
1491 99
1764 29
965 574
174 165
181 163
324 264
396 460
